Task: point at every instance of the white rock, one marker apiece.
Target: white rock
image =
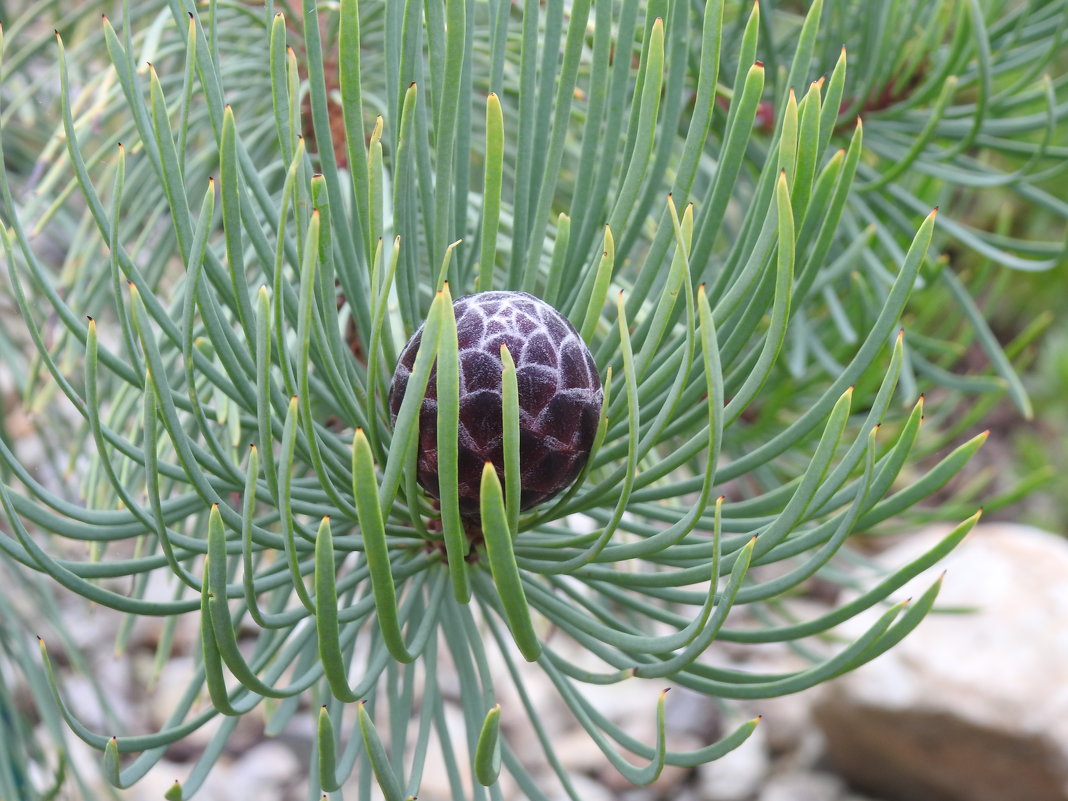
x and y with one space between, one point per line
577 752
587 789
269 762
969 707
738 775
787 724
159 779
666 785
688 711
267 772
802 786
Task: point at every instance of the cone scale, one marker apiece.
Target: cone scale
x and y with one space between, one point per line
559 397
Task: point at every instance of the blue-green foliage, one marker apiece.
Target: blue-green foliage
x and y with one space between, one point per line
296 190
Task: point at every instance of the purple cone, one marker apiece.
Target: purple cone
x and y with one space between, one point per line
559 397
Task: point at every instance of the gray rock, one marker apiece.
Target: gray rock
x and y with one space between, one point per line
268 772
802 786
969 707
695 713
787 724
738 775
586 789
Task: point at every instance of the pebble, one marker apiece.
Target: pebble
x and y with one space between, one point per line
738 775
802 786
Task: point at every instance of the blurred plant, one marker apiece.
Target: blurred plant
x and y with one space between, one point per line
955 98
751 354
35 762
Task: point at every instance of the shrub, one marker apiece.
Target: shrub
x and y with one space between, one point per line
297 192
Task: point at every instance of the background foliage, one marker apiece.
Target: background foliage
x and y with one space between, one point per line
282 213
